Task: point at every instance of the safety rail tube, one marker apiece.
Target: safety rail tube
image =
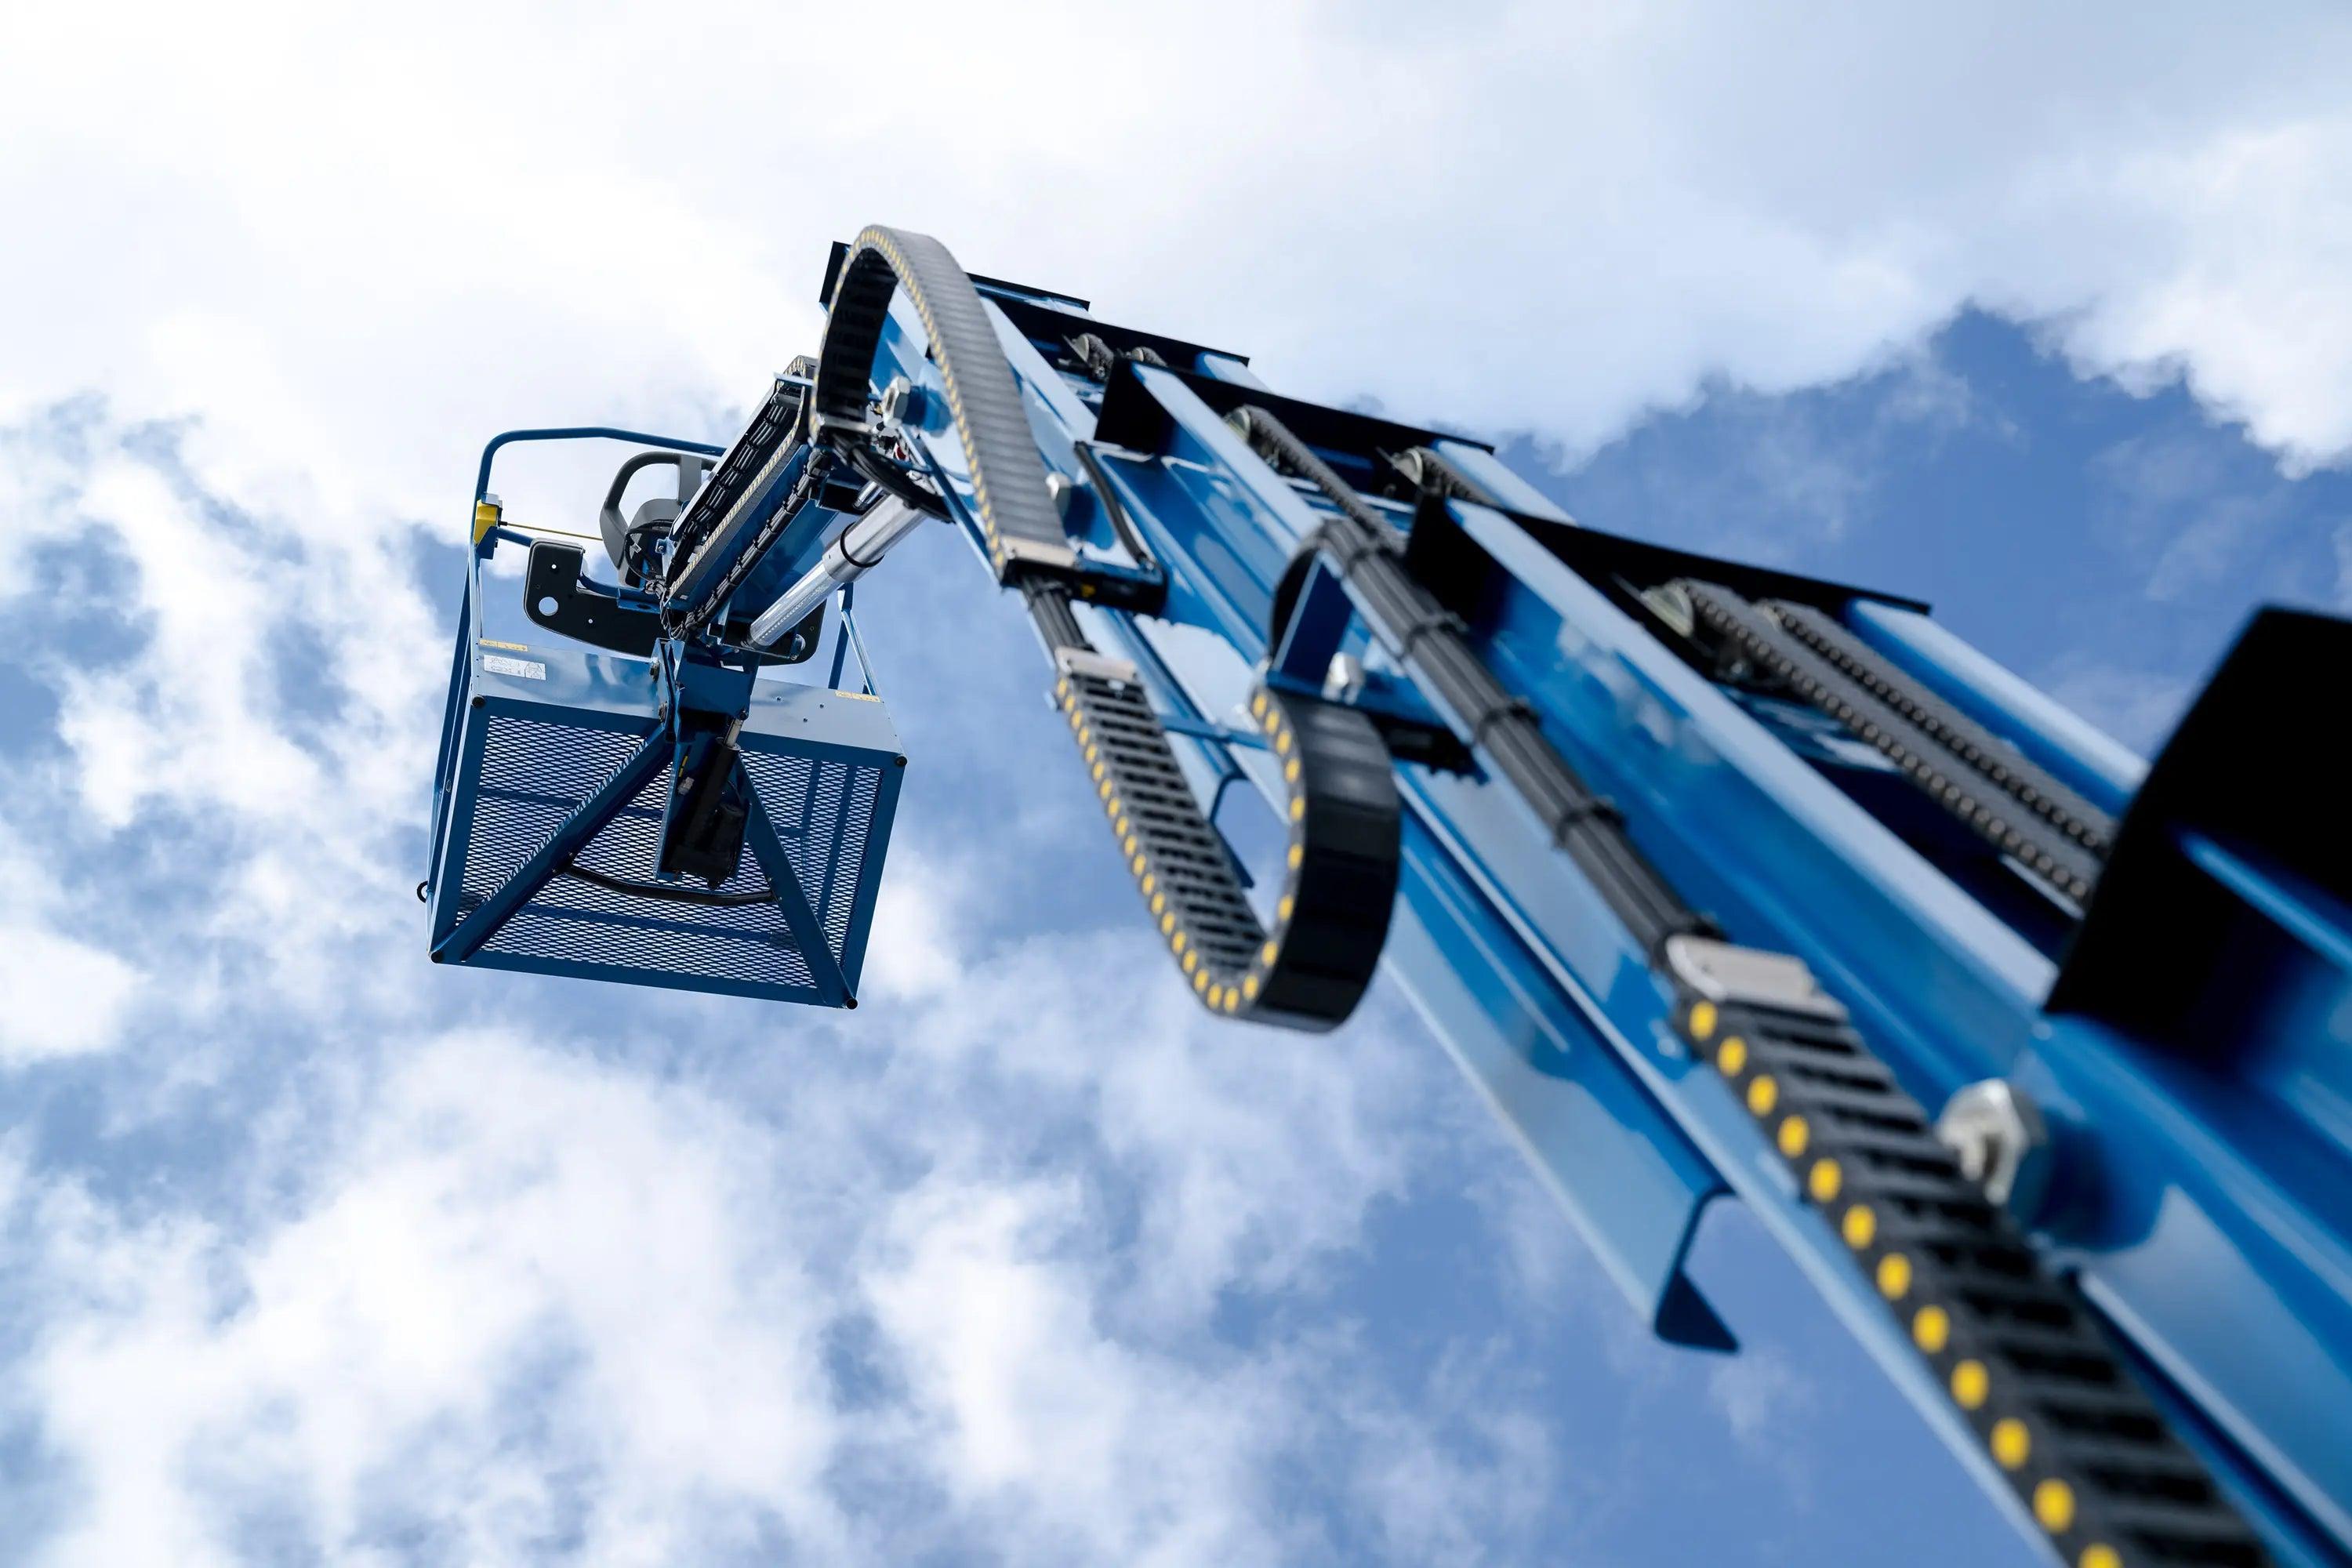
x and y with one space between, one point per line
849 557
581 432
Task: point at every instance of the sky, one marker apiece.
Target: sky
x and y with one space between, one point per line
313 1252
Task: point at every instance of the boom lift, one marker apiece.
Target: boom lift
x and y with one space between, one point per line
1714 879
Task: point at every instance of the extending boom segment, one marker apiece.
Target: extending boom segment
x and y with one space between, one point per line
1714 879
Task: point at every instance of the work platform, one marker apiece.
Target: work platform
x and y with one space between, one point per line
555 769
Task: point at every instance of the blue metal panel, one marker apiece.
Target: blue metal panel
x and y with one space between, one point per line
1500 480
2311 915
1225 367
1545 1059
1781 855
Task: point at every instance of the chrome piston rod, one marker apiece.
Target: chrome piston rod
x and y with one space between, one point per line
860 545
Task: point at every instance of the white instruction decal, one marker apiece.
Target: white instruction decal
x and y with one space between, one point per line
499 664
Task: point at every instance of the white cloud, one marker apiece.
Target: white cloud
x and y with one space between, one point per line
499 1296
356 251
1254 1152
270 687
912 950
64 997
510 1234
1110 1452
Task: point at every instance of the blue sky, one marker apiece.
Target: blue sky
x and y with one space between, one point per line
312 1252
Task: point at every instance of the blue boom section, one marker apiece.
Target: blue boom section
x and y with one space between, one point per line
1717 882
2200 1201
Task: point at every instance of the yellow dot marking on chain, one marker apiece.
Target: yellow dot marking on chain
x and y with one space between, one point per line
1824 1179
1201 981
1191 962
1136 865
1931 1330
1794 1136
1282 741
1861 1226
1731 1056
1102 789
1092 752
1702 1020
1269 953
2011 1443
1893 1276
1297 859
2099 1555
1257 706
1166 922
1290 770
2053 1505
1298 808
1180 942
1970 1384
1150 884
1283 907
1232 1001
1763 1095
1249 987
1127 844
1216 996
1159 902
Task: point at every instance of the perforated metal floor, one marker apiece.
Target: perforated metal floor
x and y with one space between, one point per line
535 773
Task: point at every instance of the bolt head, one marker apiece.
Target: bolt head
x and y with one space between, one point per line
903 402
1344 678
1998 1136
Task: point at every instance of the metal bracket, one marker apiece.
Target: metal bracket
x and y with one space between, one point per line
1724 973
1100 665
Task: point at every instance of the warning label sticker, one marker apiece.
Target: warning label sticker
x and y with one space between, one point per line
528 669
